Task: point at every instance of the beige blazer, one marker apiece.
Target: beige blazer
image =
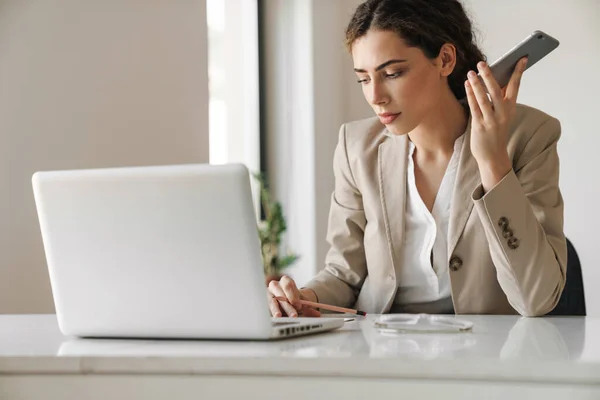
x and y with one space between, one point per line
507 251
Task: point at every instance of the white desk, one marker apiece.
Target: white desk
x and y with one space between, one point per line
504 356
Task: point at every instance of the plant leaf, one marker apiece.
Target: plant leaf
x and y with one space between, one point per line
287 260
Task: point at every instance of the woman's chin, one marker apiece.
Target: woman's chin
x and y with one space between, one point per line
400 127
396 130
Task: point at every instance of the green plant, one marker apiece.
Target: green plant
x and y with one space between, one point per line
270 231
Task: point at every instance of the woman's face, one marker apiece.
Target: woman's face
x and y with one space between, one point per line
400 83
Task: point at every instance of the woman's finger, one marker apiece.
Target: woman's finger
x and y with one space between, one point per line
292 293
310 312
512 89
287 308
481 96
473 106
274 306
493 88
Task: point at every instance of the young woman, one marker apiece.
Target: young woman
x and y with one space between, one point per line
447 201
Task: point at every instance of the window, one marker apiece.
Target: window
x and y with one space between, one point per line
233 69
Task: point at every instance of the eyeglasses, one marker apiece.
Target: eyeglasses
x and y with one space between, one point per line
410 323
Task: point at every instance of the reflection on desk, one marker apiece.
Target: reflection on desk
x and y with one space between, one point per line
492 337
503 357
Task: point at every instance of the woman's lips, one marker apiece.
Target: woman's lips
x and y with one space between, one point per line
387 118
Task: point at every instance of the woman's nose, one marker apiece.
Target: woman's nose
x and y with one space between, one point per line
377 95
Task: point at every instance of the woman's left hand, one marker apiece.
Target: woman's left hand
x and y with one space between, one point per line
491 120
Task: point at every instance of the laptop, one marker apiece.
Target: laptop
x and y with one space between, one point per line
158 252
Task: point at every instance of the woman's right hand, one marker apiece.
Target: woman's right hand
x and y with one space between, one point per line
286 287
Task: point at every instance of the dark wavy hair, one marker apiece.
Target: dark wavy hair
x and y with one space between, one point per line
426 24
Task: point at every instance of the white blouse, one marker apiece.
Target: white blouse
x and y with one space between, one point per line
424 280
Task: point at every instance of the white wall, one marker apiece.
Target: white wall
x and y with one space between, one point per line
289 122
90 84
311 92
566 85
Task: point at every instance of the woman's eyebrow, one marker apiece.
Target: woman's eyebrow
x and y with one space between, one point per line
382 66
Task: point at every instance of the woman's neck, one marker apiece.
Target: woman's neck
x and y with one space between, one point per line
434 138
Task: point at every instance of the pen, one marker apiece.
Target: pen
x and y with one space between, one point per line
326 306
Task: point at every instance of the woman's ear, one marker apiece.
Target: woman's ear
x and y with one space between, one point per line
447 59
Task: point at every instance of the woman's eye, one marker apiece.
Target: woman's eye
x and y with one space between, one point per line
387 76
394 75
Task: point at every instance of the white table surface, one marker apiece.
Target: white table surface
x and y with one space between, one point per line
501 349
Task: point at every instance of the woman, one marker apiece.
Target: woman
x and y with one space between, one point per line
447 201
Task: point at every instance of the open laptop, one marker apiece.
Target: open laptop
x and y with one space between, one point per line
158 252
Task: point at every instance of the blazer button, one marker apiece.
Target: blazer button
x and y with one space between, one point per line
507 233
513 243
455 264
503 223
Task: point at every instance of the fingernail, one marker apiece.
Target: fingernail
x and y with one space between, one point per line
277 315
293 315
471 74
467 84
481 65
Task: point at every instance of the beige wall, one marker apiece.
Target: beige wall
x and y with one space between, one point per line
338 99
90 84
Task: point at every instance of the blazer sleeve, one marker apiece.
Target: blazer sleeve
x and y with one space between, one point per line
345 264
523 221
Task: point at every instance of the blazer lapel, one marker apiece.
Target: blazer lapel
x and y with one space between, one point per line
467 179
392 185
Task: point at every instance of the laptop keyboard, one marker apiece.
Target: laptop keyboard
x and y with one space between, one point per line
283 323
